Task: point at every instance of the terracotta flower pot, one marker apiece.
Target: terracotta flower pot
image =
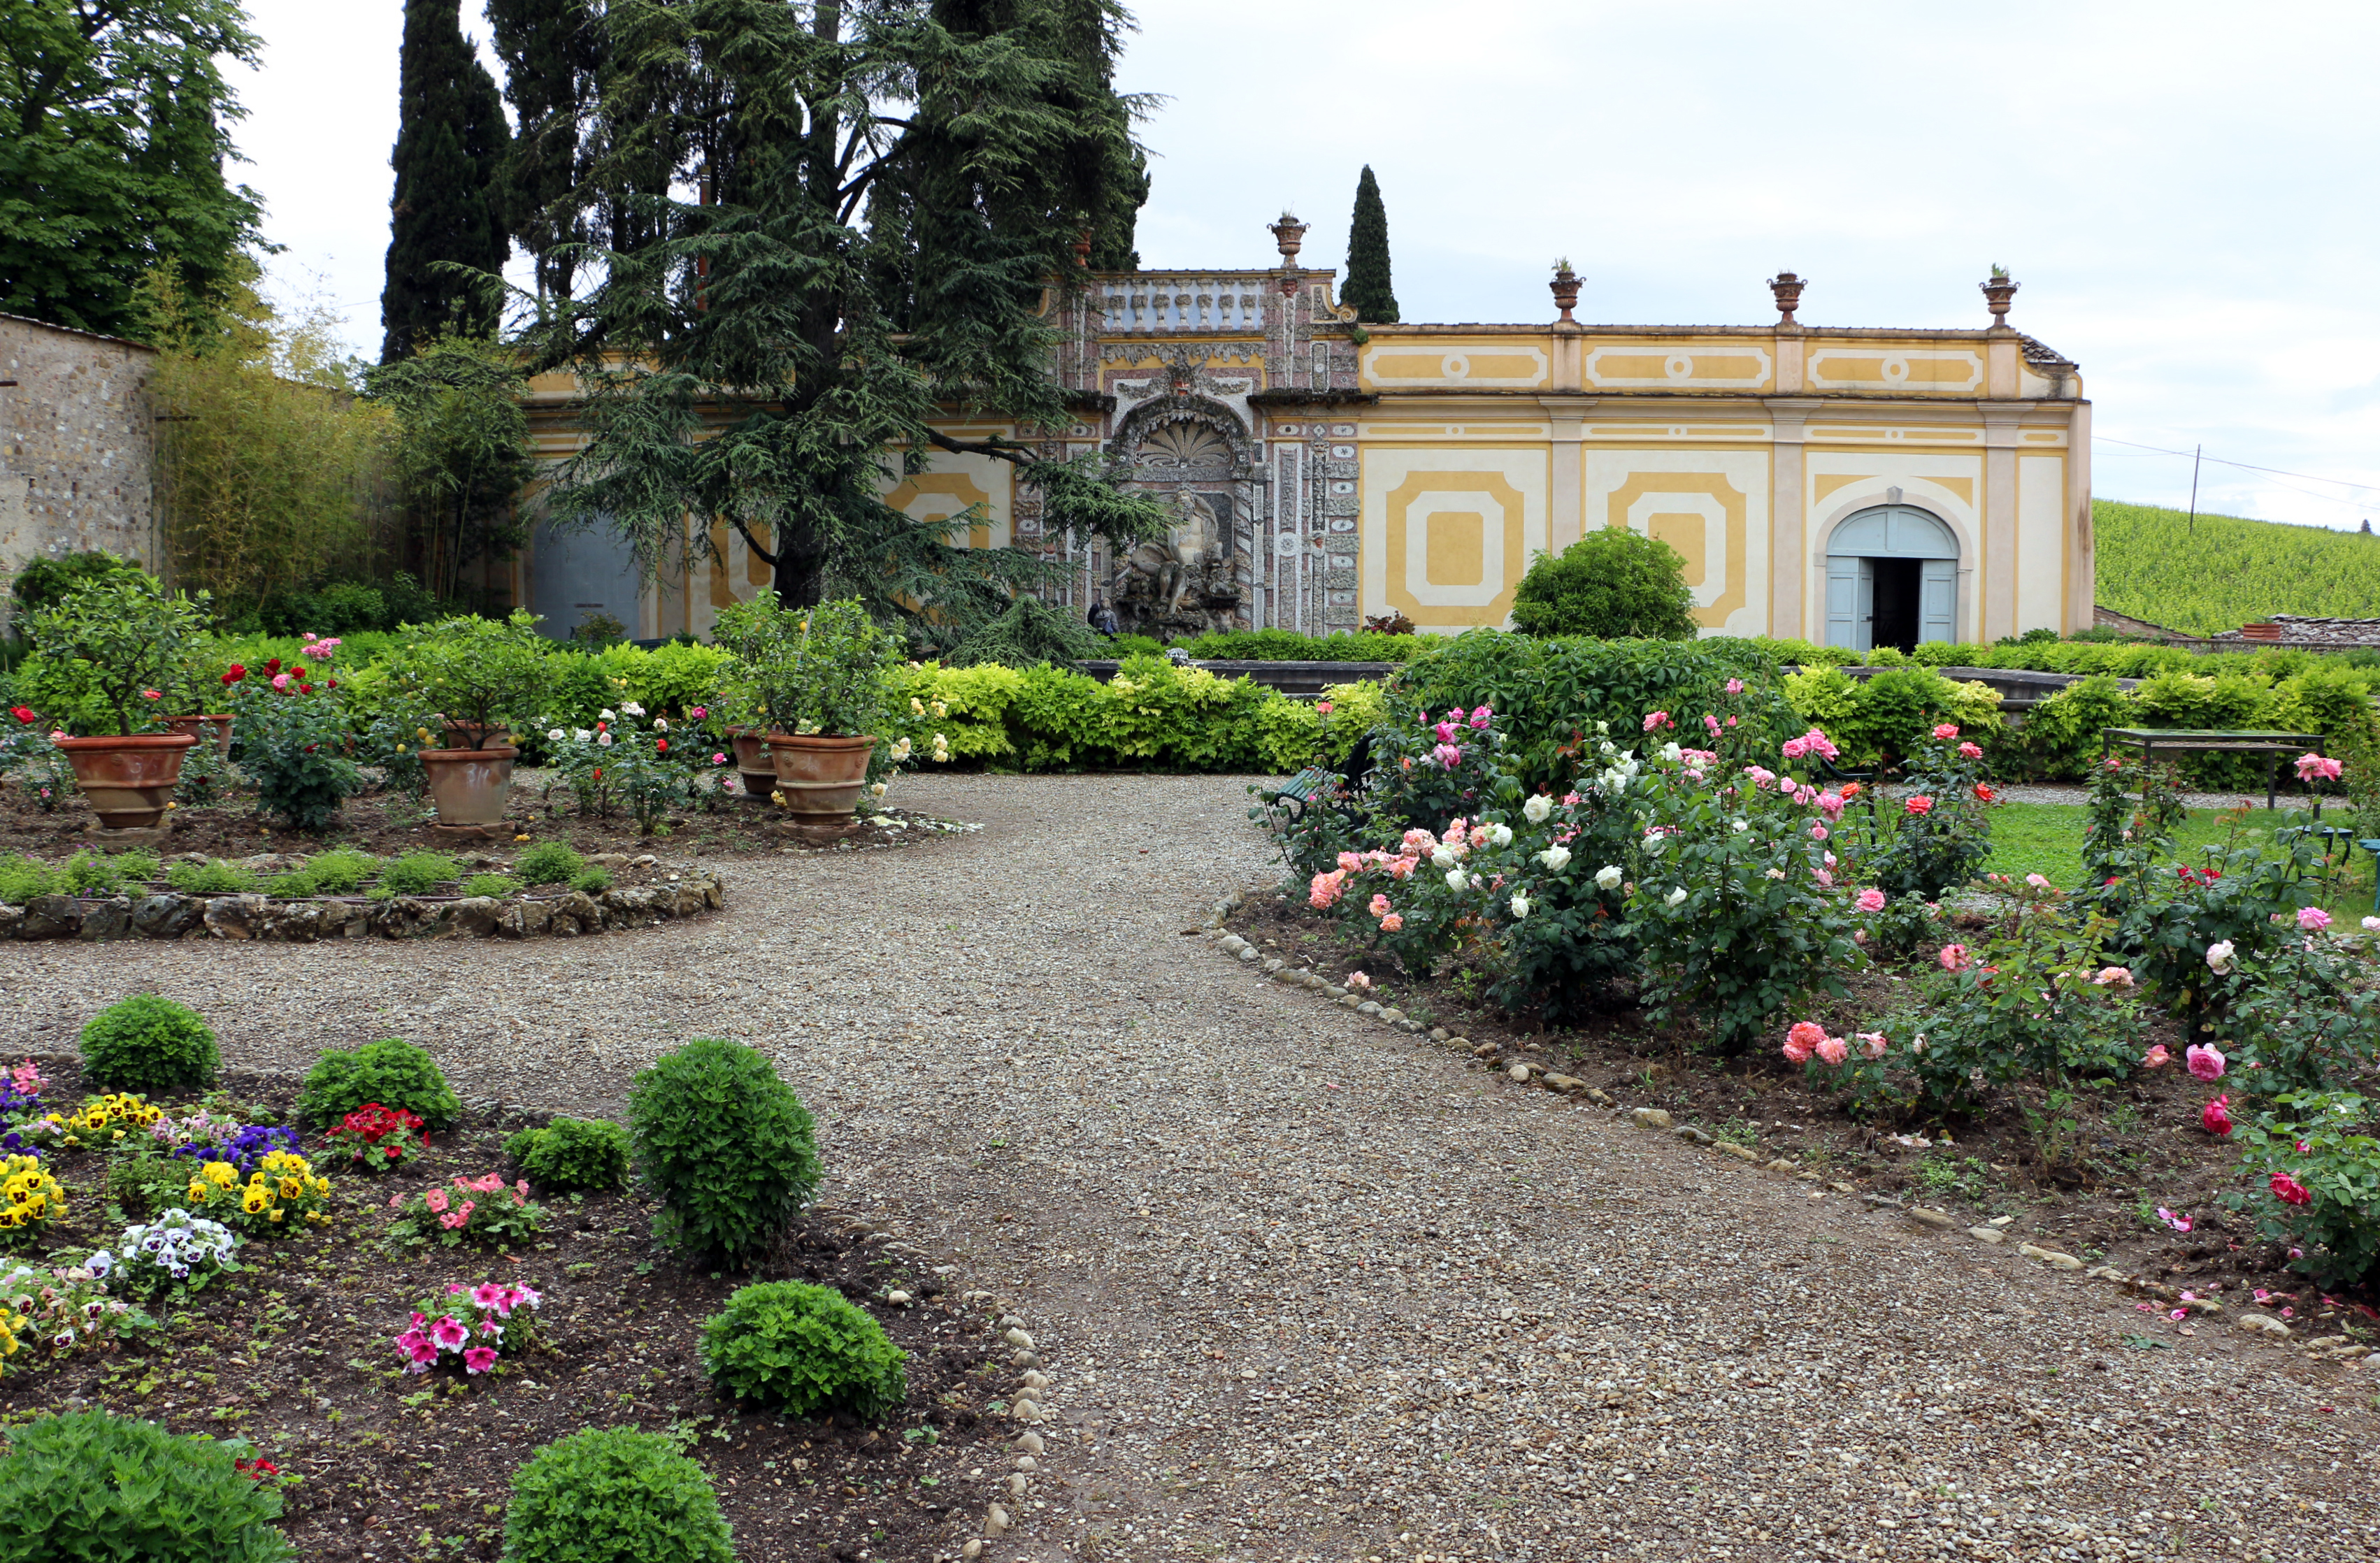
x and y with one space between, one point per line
753 764
469 786
820 777
128 780
198 727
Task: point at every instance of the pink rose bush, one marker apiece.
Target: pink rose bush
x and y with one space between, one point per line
469 1326
480 1211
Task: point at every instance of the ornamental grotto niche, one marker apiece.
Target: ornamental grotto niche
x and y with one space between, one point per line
1194 455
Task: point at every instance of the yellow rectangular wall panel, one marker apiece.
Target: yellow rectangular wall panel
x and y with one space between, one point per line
1712 506
1679 365
1405 364
1448 533
2040 542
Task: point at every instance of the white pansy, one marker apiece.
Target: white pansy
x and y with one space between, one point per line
1537 809
1675 898
1520 907
1555 857
1500 835
633 708
1454 879
1608 875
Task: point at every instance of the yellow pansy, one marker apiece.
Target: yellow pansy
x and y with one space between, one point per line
291 1188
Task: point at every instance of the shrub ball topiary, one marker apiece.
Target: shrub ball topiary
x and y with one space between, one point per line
145 1044
805 1350
91 1486
613 1495
725 1145
391 1071
1612 584
573 1153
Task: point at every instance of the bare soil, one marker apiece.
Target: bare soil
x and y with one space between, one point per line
293 1354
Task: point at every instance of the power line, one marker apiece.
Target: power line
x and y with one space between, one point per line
2244 466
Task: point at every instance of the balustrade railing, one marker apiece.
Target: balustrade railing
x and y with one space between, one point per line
1154 301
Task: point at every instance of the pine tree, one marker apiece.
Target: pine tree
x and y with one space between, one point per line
450 140
790 364
552 55
1367 288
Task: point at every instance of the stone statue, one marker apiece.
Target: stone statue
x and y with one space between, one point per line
1182 565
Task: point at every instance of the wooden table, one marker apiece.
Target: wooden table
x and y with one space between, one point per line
2218 740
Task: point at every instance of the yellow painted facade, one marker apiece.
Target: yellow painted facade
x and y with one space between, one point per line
1821 483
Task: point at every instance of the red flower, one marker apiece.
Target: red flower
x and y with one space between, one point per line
663 743
260 1468
297 670
2217 1120
1983 791
273 664
305 689
1917 806
22 713
2291 1191
332 683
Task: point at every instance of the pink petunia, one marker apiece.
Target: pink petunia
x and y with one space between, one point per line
436 1200
1834 1050
487 1294
450 1333
1871 900
2205 1060
478 1359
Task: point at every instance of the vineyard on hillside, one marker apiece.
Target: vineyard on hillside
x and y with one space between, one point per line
2227 571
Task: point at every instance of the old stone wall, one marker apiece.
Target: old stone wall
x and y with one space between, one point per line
77 444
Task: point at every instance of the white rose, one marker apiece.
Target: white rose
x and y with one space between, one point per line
603 740
901 750
1738 826
582 734
661 724
2372 925
1520 907
1670 752
1454 879
1443 856
1555 857
1500 835
633 708
1607 876
1675 898
606 715
2221 957
553 735
1537 809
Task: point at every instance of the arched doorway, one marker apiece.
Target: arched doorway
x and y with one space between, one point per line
1892 579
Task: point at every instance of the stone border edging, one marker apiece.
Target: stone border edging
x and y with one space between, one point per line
2275 1332
170 914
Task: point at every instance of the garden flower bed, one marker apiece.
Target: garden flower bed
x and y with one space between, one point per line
396 1436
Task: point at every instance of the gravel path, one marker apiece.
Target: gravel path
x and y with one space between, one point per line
1312 1288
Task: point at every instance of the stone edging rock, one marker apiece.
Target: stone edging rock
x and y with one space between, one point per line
171 915
2273 1330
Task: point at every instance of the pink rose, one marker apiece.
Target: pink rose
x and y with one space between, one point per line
1969 751
1803 1039
2216 1118
1954 958
1871 900
2113 976
1735 687
2312 919
1656 719
1917 806
281 681
1392 922
2205 1060
1873 1043
1379 906
2289 1191
1834 1051
1945 732
436 1199
2156 1058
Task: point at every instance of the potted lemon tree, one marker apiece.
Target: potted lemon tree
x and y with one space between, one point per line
482 676
812 680
103 657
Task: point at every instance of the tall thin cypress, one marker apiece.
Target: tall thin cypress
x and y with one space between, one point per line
1367 286
553 51
450 140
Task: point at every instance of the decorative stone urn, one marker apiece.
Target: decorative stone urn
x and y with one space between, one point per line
1290 233
1786 288
1565 288
1998 292
820 776
128 780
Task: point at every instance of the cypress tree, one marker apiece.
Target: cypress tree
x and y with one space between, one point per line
450 140
1367 288
550 50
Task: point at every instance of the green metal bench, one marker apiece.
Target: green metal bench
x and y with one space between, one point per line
1307 788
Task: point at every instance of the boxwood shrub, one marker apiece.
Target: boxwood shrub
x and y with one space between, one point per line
723 1144
391 1071
612 1495
805 1350
148 1044
590 1154
94 1487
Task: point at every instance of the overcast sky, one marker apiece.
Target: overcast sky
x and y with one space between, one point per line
2184 190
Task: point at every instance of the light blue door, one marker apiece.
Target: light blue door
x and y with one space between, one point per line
1937 600
575 575
1842 603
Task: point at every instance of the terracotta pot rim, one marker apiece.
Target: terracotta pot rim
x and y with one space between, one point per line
133 741
494 751
821 740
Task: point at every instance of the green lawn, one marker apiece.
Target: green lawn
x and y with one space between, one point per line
2047 838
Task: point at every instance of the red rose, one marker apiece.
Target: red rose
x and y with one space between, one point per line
664 745
297 670
22 713
273 664
332 683
305 689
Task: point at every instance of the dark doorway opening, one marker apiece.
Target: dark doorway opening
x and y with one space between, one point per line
1897 604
